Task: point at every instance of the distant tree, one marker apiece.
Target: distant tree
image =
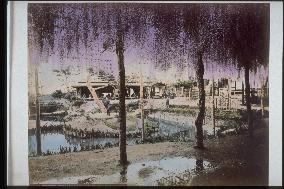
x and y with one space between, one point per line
57 94
187 84
204 28
191 29
91 71
64 76
40 25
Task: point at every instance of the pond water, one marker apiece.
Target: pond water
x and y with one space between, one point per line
166 171
151 173
53 141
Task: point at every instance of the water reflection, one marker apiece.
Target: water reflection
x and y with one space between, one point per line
52 141
166 171
199 165
123 174
55 141
38 140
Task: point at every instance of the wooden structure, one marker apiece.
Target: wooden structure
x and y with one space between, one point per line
95 96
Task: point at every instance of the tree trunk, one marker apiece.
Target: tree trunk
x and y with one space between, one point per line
122 93
248 100
38 133
201 104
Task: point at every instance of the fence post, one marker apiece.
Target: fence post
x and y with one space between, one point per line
213 108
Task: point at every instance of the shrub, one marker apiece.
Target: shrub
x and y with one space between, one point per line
57 94
78 103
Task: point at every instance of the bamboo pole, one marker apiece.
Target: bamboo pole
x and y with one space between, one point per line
141 107
229 95
38 133
213 107
262 98
243 93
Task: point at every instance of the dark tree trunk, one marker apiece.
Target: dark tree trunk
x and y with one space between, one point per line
248 100
201 104
122 93
38 133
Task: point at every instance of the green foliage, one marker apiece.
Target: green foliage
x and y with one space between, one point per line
183 110
150 127
50 107
111 124
186 84
82 112
229 114
70 96
96 110
131 123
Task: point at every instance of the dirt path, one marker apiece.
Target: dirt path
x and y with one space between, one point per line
96 162
240 160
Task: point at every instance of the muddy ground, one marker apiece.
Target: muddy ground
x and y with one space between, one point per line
240 160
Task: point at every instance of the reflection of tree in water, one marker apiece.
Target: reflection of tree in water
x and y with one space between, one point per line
199 165
73 140
123 173
89 141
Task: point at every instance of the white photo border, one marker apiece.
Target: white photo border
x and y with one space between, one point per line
17 85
